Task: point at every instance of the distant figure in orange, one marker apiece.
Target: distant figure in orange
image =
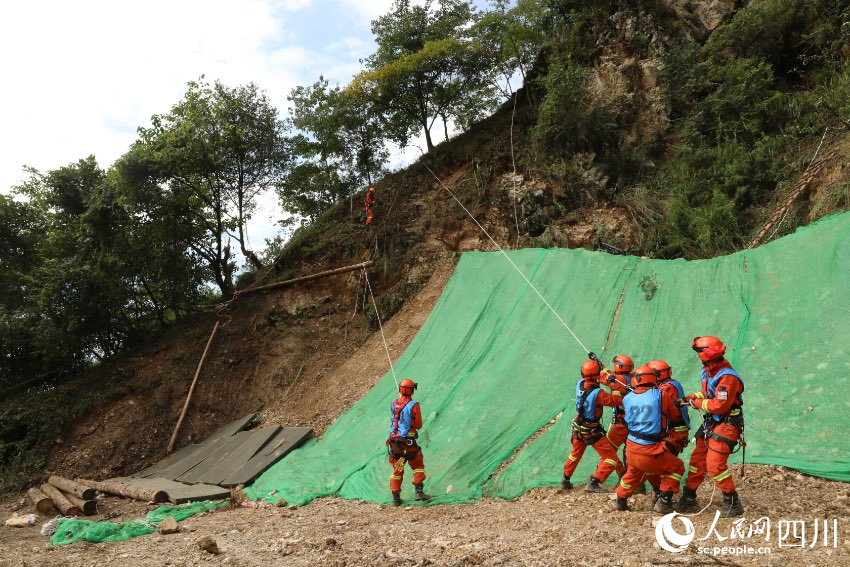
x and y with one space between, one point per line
368 203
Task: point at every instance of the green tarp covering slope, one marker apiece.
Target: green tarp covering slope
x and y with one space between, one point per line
494 365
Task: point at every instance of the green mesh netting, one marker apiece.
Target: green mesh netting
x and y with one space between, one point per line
73 531
494 365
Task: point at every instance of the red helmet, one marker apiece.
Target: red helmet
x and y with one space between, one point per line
371 189
644 375
662 368
591 369
406 387
708 348
623 364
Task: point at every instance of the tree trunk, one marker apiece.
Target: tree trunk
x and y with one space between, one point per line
71 487
89 507
60 501
42 502
135 492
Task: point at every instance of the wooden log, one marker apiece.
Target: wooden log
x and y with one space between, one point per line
42 502
70 487
303 279
60 501
128 491
191 390
89 507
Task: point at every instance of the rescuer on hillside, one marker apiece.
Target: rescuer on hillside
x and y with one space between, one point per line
677 437
619 382
649 410
721 397
368 203
588 430
405 421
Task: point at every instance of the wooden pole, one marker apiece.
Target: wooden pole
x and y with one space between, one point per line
61 502
89 507
127 491
303 279
191 389
70 487
42 502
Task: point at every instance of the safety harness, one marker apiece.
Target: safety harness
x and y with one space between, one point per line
399 446
585 430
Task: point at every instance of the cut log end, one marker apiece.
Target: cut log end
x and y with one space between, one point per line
42 502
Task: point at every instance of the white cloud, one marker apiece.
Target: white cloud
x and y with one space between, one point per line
368 11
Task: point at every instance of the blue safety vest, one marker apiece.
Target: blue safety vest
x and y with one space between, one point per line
680 393
644 417
586 401
709 385
404 418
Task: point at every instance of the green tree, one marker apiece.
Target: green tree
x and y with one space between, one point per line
217 150
338 147
426 67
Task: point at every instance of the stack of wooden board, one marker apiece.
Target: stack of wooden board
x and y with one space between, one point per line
230 457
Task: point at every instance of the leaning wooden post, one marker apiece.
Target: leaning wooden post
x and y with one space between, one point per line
191 390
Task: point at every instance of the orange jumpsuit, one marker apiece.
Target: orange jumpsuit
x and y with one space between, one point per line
593 434
711 455
369 202
618 432
401 452
677 436
654 462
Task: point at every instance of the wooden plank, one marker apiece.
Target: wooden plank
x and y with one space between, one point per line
280 445
254 441
177 455
224 448
186 464
233 428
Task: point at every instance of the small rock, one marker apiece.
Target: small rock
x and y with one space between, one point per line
810 409
293 507
330 542
281 503
273 492
234 533
168 526
341 523
450 488
208 544
799 478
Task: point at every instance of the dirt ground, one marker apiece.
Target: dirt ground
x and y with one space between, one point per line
544 527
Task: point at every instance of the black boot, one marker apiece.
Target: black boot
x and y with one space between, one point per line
420 492
566 484
621 504
656 494
641 489
687 501
664 504
593 485
396 499
731 506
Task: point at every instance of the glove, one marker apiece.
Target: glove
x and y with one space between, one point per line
399 465
594 358
693 403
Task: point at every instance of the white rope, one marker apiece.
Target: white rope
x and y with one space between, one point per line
380 326
513 162
709 501
567 327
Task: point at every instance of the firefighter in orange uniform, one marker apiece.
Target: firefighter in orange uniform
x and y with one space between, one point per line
619 382
649 411
368 203
405 421
677 436
721 397
587 429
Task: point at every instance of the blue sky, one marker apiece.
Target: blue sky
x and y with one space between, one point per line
79 77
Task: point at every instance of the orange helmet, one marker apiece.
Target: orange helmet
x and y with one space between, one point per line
406 387
662 368
708 348
623 364
591 369
644 375
371 189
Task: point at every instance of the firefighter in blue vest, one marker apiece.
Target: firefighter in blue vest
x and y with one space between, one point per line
405 422
677 438
721 398
649 411
588 430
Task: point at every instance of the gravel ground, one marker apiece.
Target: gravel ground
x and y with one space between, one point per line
544 527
